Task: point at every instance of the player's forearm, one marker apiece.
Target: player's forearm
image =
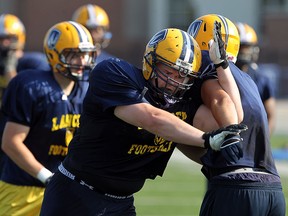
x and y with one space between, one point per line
172 128
161 123
23 158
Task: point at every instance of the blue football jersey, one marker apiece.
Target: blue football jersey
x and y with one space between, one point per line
34 98
256 140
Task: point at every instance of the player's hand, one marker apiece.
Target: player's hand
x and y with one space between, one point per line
44 175
215 139
217 50
231 148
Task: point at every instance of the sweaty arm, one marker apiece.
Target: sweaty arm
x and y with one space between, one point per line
12 144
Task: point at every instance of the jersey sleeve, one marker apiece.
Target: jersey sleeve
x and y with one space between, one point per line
32 60
17 104
208 70
114 82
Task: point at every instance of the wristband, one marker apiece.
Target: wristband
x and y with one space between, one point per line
44 174
206 136
224 64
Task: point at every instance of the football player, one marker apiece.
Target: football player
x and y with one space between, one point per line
13 59
43 108
96 20
247 62
131 122
254 177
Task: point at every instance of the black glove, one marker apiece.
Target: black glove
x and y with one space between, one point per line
48 180
231 148
215 139
217 50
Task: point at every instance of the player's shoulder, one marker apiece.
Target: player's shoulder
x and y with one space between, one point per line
33 76
33 60
114 66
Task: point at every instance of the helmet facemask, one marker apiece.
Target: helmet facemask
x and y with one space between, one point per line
69 69
173 90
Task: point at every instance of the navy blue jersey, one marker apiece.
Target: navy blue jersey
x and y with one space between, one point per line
107 150
256 141
263 83
34 98
32 60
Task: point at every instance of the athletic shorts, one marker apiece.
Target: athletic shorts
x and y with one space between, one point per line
228 198
20 200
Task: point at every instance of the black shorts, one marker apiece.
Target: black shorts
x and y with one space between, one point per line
63 196
228 198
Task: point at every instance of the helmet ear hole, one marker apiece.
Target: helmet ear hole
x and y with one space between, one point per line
148 66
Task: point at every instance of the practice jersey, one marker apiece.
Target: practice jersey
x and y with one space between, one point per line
107 152
33 60
34 98
256 142
263 83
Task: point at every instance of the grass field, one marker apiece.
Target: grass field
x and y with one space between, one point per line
180 191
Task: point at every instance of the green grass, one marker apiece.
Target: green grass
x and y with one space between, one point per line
279 141
179 192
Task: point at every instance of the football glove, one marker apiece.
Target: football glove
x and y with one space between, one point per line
217 50
231 148
215 139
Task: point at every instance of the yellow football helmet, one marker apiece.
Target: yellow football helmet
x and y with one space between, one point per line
69 38
202 30
11 27
175 49
247 34
93 17
249 49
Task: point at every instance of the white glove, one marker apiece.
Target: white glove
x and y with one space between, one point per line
215 139
217 51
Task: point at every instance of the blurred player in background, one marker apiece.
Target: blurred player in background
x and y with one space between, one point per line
13 59
247 62
253 177
131 120
43 109
12 56
96 20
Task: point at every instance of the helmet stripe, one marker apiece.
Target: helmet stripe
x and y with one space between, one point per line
82 34
186 55
226 27
2 21
92 17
